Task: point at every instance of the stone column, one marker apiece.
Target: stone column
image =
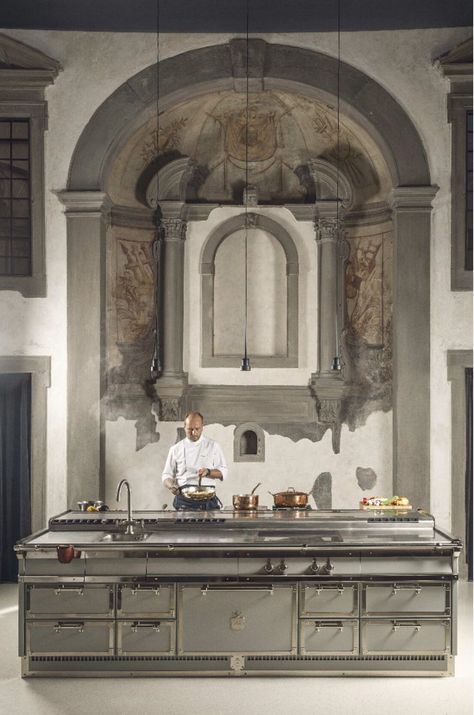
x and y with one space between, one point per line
87 215
171 383
328 384
411 207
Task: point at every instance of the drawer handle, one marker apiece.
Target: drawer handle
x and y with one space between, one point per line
153 589
396 588
59 591
339 588
329 624
145 624
79 627
415 626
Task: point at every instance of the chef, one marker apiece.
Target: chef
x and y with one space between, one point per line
195 458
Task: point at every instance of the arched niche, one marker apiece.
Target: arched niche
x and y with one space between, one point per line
288 356
249 443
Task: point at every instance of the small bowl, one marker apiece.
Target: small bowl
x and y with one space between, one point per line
83 505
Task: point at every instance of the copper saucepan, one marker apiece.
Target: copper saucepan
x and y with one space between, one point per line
242 502
290 498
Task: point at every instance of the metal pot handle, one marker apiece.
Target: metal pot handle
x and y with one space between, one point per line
291 489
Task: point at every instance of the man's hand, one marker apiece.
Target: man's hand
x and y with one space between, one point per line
172 485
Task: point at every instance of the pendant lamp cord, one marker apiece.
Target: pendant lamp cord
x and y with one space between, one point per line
246 173
156 248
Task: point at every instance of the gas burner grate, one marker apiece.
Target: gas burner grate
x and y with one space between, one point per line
198 520
308 507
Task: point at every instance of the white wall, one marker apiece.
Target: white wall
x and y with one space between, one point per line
95 64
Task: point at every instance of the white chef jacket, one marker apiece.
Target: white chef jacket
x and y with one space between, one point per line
186 458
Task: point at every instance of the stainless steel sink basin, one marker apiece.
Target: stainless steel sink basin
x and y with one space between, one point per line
122 536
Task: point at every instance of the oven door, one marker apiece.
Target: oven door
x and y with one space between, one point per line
257 619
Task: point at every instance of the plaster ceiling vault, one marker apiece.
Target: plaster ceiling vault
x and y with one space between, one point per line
288 132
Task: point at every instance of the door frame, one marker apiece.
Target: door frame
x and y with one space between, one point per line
39 367
458 361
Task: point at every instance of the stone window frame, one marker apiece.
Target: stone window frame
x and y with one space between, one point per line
207 270
457 362
39 367
456 66
24 74
238 432
461 279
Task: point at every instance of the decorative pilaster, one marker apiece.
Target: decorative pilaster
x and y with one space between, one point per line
411 212
170 385
87 214
327 383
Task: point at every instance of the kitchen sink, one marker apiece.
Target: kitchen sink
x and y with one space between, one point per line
122 536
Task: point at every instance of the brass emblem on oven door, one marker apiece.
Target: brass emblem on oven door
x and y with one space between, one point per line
238 621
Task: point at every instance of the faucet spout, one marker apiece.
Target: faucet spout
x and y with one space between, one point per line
130 522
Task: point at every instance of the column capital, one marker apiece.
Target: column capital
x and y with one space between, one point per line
412 198
329 229
174 229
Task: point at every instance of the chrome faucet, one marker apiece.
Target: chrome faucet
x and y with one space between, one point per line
130 522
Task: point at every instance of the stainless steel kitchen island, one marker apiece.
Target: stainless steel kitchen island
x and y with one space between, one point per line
238 594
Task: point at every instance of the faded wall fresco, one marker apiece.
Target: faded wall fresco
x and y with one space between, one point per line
134 289
269 144
367 344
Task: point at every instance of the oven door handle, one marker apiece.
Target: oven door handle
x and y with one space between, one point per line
244 588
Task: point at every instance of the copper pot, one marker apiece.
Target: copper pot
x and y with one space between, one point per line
245 501
290 498
242 502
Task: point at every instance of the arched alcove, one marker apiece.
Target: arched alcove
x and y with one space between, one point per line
285 342
249 443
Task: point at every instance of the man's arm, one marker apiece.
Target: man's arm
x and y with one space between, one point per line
218 467
169 473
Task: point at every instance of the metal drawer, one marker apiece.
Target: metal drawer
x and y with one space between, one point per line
424 637
146 637
67 637
145 600
328 599
58 600
406 598
329 636
226 620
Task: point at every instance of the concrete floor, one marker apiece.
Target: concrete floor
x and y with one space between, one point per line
223 696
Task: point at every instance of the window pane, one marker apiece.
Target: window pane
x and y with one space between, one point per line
5 187
20 266
20 189
20 228
20 130
4 129
20 208
20 168
21 248
20 150
5 149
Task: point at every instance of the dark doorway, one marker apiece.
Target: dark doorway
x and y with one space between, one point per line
469 494
15 467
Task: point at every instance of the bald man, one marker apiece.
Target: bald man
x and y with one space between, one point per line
194 457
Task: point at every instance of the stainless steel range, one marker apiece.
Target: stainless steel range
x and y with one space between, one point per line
281 592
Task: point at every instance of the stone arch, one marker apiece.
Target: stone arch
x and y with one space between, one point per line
273 66
207 270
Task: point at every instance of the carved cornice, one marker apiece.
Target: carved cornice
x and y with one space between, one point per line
85 203
412 198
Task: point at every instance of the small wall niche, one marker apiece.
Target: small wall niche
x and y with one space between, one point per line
249 443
